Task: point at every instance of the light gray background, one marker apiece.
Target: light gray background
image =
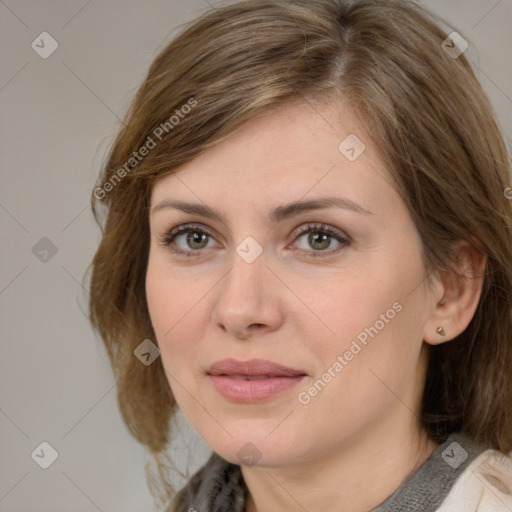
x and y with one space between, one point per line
57 118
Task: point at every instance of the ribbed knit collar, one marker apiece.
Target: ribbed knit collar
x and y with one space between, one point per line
219 485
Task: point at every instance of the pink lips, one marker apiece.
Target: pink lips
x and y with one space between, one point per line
252 381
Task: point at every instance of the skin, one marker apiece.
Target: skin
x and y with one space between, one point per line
358 439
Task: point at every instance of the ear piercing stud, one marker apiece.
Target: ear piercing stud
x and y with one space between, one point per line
441 331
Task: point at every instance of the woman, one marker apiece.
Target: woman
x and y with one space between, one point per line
307 249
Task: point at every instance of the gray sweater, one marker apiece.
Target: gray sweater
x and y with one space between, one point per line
219 486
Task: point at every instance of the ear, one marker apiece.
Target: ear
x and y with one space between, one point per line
458 294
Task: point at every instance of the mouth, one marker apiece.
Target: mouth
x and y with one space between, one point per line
247 377
252 381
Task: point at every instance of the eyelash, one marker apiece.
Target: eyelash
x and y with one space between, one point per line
169 237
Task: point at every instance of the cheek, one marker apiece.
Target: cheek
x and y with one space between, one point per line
342 306
172 303
369 366
170 294
178 307
372 319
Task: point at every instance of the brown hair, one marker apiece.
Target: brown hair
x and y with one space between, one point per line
424 110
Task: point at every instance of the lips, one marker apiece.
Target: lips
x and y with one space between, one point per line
252 368
252 381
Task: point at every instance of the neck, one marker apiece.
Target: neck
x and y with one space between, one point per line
361 473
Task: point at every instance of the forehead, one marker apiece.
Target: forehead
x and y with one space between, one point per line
299 150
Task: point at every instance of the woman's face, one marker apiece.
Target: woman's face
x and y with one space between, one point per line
336 294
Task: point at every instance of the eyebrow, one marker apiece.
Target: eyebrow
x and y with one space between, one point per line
276 215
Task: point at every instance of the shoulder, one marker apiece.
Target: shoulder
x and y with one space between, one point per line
485 485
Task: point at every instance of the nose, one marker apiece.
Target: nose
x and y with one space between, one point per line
247 302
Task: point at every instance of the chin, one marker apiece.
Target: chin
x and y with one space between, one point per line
254 444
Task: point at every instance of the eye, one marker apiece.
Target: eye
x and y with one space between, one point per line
320 237
188 238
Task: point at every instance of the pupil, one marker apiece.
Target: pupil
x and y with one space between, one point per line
195 238
319 238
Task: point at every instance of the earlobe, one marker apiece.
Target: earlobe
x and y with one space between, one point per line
461 290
